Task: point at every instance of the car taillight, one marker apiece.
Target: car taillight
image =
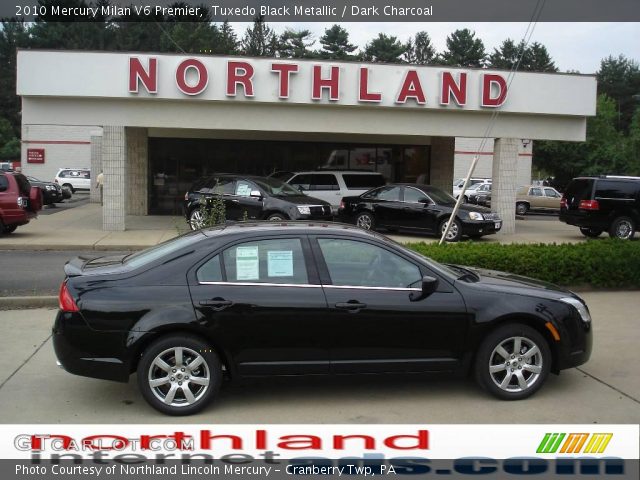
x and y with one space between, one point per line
65 300
186 196
589 205
563 203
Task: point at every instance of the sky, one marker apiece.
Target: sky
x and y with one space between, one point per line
573 46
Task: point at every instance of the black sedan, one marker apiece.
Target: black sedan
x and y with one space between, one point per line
293 298
51 192
249 197
417 207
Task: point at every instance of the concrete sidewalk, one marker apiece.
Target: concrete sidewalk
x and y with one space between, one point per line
80 228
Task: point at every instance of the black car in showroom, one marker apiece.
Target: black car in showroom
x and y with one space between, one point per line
417 207
602 204
293 298
51 192
249 197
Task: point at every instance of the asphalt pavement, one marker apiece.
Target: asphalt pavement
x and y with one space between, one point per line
77 200
605 390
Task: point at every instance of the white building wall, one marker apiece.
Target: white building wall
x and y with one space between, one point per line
64 146
467 148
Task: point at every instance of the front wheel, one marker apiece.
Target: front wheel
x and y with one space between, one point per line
623 228
522 208
455 232
276 217
590 232
70 187
513 362
179 374
196 221
365 220
9 228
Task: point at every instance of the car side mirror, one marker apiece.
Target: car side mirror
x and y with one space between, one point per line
429 285
300 188
255 194
424 201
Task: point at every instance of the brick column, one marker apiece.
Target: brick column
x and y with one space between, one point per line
114 159
505 182
96 166
136 168
442 157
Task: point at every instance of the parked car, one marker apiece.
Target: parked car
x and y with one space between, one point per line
6 167
260 198
598 204
332 185
478 195
19 201
459 183
51 192
255 299
537 198
74 178
417 207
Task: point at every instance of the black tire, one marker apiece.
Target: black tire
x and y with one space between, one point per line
9 229
623 228
455 232
521 208
534 369
180 378
590 232
366 221
70 187
277 217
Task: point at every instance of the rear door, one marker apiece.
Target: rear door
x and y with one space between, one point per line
262 299
325 187
374 325
388 207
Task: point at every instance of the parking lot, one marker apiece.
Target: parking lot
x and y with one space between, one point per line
605 390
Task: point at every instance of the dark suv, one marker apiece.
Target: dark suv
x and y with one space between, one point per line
607 203
253 198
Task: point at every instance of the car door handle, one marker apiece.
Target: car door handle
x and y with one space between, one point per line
216 304
352 306
235 201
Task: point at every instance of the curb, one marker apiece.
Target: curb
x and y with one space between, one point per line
19 303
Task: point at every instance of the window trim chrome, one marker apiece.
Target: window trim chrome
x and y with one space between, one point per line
309 285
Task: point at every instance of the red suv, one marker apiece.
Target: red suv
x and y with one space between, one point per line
19 201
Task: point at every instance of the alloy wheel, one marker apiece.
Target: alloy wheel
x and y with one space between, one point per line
624 229
364 221
179 377
515 364
453 231
195 220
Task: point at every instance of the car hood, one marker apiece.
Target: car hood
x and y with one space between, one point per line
518 284
474 208
302 200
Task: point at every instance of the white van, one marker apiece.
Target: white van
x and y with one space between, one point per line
332 185
74 178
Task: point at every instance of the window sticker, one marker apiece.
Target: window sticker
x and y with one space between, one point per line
247 263
280 263
243 190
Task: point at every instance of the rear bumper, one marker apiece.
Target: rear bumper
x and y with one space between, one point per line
584 220
89 353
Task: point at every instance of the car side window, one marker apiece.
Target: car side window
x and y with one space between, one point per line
210 271
550 192
266 261
535 192
360 264
385 193
244 188
224 186
4 183
413 195
324 181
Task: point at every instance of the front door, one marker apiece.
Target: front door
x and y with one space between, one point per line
262 300
242 204
375 326
419 211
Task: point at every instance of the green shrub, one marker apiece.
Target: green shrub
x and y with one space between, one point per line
603 263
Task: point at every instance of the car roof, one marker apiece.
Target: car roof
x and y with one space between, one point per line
288 227
350 172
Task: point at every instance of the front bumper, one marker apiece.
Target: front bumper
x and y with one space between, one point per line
484 227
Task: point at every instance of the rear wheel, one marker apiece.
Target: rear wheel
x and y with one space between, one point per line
276 217
9 228
455 232
590 232
195 219
179 374
522 208
365 220
623 228
513 362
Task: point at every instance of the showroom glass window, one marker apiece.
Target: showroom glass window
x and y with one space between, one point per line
266 261
360 264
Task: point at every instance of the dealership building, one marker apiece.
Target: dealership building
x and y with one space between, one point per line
153 123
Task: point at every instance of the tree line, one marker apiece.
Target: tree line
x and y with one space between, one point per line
618 77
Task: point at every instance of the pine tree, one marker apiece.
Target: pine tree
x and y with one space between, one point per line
335 44
295 44
260 40
384 48
464 50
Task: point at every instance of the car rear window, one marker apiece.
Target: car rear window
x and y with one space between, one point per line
355 181
579 189
23 184
623 190
164 249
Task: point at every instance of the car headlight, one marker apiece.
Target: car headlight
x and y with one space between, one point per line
475 216
49 187
580 307
304 210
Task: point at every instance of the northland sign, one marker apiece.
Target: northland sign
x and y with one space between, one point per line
154 77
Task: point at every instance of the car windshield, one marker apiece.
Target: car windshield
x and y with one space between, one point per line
439 196
276 187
